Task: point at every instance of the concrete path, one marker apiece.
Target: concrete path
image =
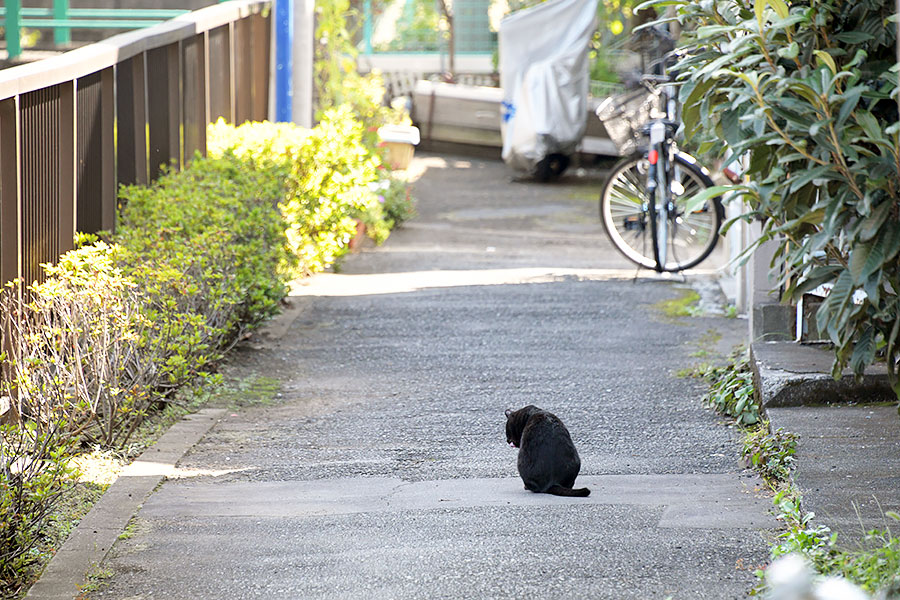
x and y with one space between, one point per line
382 470
847 465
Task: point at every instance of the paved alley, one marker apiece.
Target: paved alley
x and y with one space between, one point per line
381 469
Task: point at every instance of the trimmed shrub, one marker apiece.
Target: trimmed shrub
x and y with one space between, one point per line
331 180
78 361
199 258
207 247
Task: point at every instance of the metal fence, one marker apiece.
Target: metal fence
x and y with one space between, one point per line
415 26
75 127
61 19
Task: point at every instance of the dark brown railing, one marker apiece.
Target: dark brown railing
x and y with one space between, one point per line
75 127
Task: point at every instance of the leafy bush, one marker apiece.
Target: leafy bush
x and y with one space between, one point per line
338 83
394 196
34 473
207 243
199 257
331 179
78 361
328 186
809 91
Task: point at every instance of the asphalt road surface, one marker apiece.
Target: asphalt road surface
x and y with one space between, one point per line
381 470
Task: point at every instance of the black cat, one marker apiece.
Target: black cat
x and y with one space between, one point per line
548 461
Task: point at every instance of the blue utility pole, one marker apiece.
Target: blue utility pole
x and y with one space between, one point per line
284 43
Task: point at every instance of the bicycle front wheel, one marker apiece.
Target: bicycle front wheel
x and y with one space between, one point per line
624 206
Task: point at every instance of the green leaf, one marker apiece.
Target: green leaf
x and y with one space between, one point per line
871 224
854 37
712 30
865 259
858 58
691 105
759 7
803 178
781 9
818 125
850 100
838 297
698 200
791 51
891 233
825 59
790 20
869 124
863 351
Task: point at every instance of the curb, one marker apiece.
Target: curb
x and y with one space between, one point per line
792 374
65 575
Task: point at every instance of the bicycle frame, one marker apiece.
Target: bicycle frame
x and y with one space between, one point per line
646 192
659 156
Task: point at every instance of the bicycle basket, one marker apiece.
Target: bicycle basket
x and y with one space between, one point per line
624 116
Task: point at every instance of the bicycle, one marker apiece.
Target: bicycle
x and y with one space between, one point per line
648 191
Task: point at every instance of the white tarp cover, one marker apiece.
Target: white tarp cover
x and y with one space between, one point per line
544 76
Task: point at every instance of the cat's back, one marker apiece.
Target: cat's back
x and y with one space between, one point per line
542 423
545 432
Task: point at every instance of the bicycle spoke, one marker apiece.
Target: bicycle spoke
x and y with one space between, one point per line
690 237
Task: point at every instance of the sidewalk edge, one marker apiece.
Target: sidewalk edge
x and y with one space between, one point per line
65 575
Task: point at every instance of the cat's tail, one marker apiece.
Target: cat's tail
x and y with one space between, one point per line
558 490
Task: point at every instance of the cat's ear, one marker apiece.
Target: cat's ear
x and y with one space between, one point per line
508 412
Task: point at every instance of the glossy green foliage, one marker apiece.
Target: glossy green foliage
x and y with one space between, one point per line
809 91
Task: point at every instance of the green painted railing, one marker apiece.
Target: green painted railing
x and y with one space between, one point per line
62 19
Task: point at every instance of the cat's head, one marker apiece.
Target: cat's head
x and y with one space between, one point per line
515 423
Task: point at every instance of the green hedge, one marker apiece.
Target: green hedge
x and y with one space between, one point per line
199 257
333 179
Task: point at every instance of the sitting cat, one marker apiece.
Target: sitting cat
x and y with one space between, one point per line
548 461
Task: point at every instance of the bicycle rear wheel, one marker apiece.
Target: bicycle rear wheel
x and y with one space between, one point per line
624 206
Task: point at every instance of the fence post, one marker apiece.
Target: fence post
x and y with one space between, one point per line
194 111
67 197
109 192
13 29
10 242
367 26
131 121
61 35
164 107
